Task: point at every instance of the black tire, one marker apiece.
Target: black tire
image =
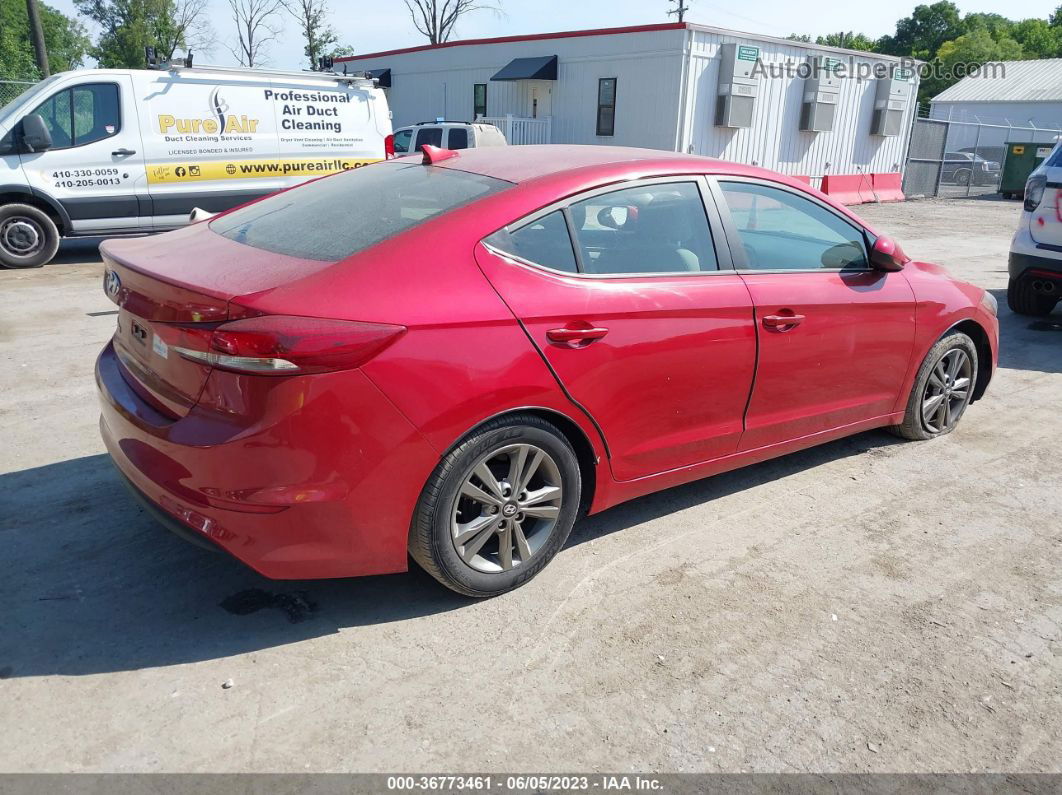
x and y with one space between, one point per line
432 541
962 177
1024 300
914 425
28 237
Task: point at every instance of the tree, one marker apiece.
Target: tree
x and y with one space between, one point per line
1038 39
321 37
436 18
64 38
128 26
256 26
960 57
801 37
847 41
921 34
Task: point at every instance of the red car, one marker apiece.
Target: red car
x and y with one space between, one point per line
452 357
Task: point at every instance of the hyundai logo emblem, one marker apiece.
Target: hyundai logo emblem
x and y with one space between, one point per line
112 285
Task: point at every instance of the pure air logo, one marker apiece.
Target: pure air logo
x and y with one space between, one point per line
220 122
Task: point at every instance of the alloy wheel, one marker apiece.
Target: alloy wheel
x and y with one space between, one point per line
507 508
947 391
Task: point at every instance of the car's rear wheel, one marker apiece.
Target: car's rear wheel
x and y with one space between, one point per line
1023 299
28 237
942 390
498 507
962 177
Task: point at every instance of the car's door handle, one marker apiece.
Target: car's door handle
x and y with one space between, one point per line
574 336
782 322
123 152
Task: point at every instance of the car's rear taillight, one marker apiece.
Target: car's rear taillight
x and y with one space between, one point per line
1034 191
281 344
389 147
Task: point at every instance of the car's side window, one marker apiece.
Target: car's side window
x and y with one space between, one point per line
429 136
658 228
780 230
402 139
81 115
544 242
457 138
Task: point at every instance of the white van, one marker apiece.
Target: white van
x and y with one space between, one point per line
121 151
447 135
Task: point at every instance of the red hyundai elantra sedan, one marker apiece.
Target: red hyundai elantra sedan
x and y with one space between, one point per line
452 357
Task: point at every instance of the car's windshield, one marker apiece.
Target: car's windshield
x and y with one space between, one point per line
331 219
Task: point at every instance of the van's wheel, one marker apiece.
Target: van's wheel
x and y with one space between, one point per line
498 507
1024 300
942 390
28 237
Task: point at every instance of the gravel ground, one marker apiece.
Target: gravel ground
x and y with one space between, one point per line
869 605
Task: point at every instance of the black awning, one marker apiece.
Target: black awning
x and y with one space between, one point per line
383 77
542 68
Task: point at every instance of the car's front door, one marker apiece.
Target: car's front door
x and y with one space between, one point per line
95 167
641 325
835 336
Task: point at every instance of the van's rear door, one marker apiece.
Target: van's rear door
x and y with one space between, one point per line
95 168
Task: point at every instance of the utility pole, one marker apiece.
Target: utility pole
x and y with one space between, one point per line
37 37
680 10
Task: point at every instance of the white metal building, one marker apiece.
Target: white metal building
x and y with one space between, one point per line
675 86
1007 100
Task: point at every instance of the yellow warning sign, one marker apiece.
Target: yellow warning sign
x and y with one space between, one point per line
250 169
1018 150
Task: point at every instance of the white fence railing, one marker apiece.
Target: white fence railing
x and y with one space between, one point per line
519 130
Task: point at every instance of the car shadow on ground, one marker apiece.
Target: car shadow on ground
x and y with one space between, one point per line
93 585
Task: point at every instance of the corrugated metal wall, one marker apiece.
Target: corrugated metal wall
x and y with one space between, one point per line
648 68
1019 114
651 81
774 140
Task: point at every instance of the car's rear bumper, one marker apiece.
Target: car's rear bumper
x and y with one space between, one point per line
323 484
1018 264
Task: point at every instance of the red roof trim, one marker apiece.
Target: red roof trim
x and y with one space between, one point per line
566 34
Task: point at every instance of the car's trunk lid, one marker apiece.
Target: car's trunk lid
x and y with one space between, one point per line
1046 225
184 280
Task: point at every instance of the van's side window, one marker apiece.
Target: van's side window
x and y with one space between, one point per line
82 114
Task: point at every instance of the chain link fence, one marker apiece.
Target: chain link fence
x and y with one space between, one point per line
951 158
10 89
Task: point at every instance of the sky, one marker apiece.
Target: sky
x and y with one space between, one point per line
370 26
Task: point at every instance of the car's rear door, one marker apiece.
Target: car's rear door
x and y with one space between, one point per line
643 321
835 336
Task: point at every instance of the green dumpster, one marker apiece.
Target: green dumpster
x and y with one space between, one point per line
1020 161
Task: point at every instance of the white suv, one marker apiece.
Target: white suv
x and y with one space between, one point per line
1036 250
446 135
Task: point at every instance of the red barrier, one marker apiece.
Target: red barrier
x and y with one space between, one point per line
888 187
847 188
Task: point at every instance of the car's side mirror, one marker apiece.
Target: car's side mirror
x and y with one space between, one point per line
886 255
35 134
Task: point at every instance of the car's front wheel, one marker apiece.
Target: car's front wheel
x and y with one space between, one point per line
1023 299
942 390
498 507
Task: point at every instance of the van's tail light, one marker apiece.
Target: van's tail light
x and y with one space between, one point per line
389 147
282 345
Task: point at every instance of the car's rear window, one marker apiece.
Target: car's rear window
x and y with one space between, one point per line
331 219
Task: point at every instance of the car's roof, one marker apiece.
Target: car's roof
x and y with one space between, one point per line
523 163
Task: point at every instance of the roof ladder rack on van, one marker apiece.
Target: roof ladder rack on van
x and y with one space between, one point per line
340 77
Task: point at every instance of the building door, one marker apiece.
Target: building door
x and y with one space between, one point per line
540 100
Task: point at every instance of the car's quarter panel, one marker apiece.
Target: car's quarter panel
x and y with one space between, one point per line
669 381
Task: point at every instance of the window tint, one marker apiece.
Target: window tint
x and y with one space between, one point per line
780 230
606 106
332 218
649 229
1055 159
545 242
82 114
430 136
402 139
458 138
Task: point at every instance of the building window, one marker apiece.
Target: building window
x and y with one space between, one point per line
479 100
606 106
